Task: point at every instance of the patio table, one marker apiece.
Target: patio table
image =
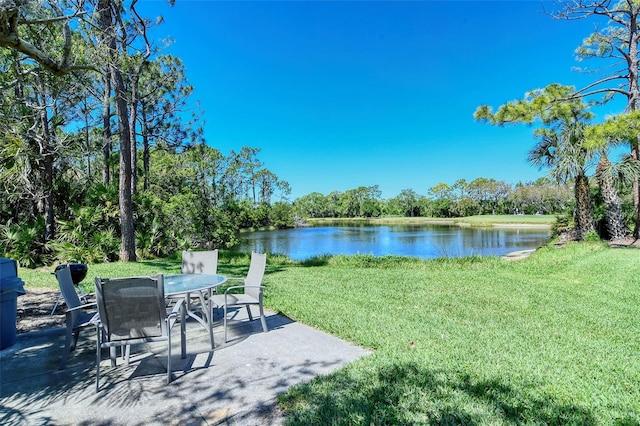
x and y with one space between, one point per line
202 285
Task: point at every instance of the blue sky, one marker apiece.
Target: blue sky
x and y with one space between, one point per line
340 94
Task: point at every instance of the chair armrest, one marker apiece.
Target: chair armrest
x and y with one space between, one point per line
86 306
233 287
95 319
172 318
176 308
261 287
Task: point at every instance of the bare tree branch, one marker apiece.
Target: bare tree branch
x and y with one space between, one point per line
51 20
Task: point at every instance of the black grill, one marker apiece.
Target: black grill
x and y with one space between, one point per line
78 271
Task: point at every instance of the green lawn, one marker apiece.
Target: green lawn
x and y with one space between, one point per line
552 339
483 220
510 219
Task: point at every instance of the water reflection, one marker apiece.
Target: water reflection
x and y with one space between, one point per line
424 241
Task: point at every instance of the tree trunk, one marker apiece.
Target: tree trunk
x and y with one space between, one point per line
145 150
127 228
134 85
584 211
106 128
633 103
47 161
87 142
612 203
636 193
128 242
132 130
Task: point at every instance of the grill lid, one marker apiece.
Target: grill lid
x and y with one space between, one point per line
78 271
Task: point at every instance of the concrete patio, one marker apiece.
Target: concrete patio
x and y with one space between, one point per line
236 384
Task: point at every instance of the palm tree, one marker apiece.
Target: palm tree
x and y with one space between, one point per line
562 151
612 132
612 202
608 175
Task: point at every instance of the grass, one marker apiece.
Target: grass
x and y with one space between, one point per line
509 219
480 221
552 339
230 263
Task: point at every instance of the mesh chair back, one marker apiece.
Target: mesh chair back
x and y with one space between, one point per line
200 262
132 308
256 273
67 288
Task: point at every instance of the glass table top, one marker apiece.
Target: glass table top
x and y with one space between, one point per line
185 283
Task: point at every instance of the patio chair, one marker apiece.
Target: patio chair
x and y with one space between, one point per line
197 262
251 295
200 262
78 272
133 310
78 315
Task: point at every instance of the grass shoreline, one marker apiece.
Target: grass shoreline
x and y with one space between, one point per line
483 221
521 221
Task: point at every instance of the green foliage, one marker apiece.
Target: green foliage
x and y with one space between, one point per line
183 187
563 224
550 105
359 202
592 236
184 208
481 196
407 203
223 232
313 205
151 241
281 215
89 233
22 242
568 145
623 128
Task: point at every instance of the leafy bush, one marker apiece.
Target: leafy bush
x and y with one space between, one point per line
592 236
563 225
281 215
22 242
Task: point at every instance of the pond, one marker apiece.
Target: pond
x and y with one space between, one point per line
424 241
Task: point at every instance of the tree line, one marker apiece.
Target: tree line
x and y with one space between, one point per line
462 198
